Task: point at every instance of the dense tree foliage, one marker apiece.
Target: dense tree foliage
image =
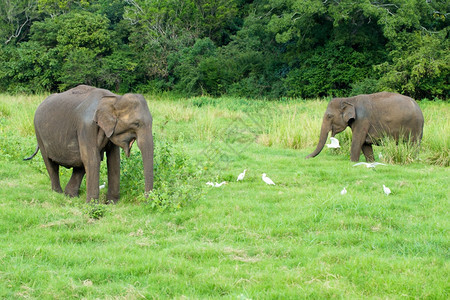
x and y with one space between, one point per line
268 48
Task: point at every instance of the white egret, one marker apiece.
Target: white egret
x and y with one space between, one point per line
334 143
267 179
344 191
220 184
386 190
210 183
241 176
369 165
102 186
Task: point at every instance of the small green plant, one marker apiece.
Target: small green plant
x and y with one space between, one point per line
176 177
95 210
203 100
4 110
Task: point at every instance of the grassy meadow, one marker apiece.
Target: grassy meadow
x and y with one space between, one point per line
245 240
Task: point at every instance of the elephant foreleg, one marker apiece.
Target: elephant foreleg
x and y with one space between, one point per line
368 152
91 162
355 150
73 186
113 164
359 130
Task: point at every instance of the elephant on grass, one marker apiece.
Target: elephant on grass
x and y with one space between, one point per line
76 128
371 117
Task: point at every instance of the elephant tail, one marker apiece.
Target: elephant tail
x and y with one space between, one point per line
34 154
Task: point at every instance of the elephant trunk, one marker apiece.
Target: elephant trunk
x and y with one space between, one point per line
323 138
145 144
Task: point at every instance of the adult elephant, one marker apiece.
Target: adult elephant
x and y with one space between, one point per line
371 117
75 128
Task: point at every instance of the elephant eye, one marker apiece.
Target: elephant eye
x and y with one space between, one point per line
329 116
137 124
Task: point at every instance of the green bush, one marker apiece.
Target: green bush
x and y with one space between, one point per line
176 178
255 49
197 70
365 86
328 70
420 67
95 210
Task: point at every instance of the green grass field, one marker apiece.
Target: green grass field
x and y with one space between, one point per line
245 240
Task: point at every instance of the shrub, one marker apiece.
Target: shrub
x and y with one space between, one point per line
176 177
365 86
95 210
329 70
420 68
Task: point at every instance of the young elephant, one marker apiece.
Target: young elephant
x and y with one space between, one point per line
371 117
75 128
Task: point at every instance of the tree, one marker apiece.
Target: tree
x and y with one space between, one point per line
58 7
419 66
265 48
16 18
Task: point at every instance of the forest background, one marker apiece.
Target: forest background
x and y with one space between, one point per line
264 48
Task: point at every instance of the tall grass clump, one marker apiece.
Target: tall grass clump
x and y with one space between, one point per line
21 114
295 125
165 110
4 110
176 177
436 133
291 130
210 121
438 150
16 125
402 152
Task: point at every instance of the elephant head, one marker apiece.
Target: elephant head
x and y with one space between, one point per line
339 114
125 119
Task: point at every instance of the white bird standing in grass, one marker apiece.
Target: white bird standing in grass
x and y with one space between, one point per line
386 190
241 176
343 192
267 179
334 143
369 165
102 186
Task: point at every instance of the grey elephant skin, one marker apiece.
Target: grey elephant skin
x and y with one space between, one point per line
371 117
76 128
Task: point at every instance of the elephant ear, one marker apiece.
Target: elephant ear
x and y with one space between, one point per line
105 115
348 111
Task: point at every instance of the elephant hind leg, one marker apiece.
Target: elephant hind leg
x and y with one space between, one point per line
368 152
53 172
73 186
